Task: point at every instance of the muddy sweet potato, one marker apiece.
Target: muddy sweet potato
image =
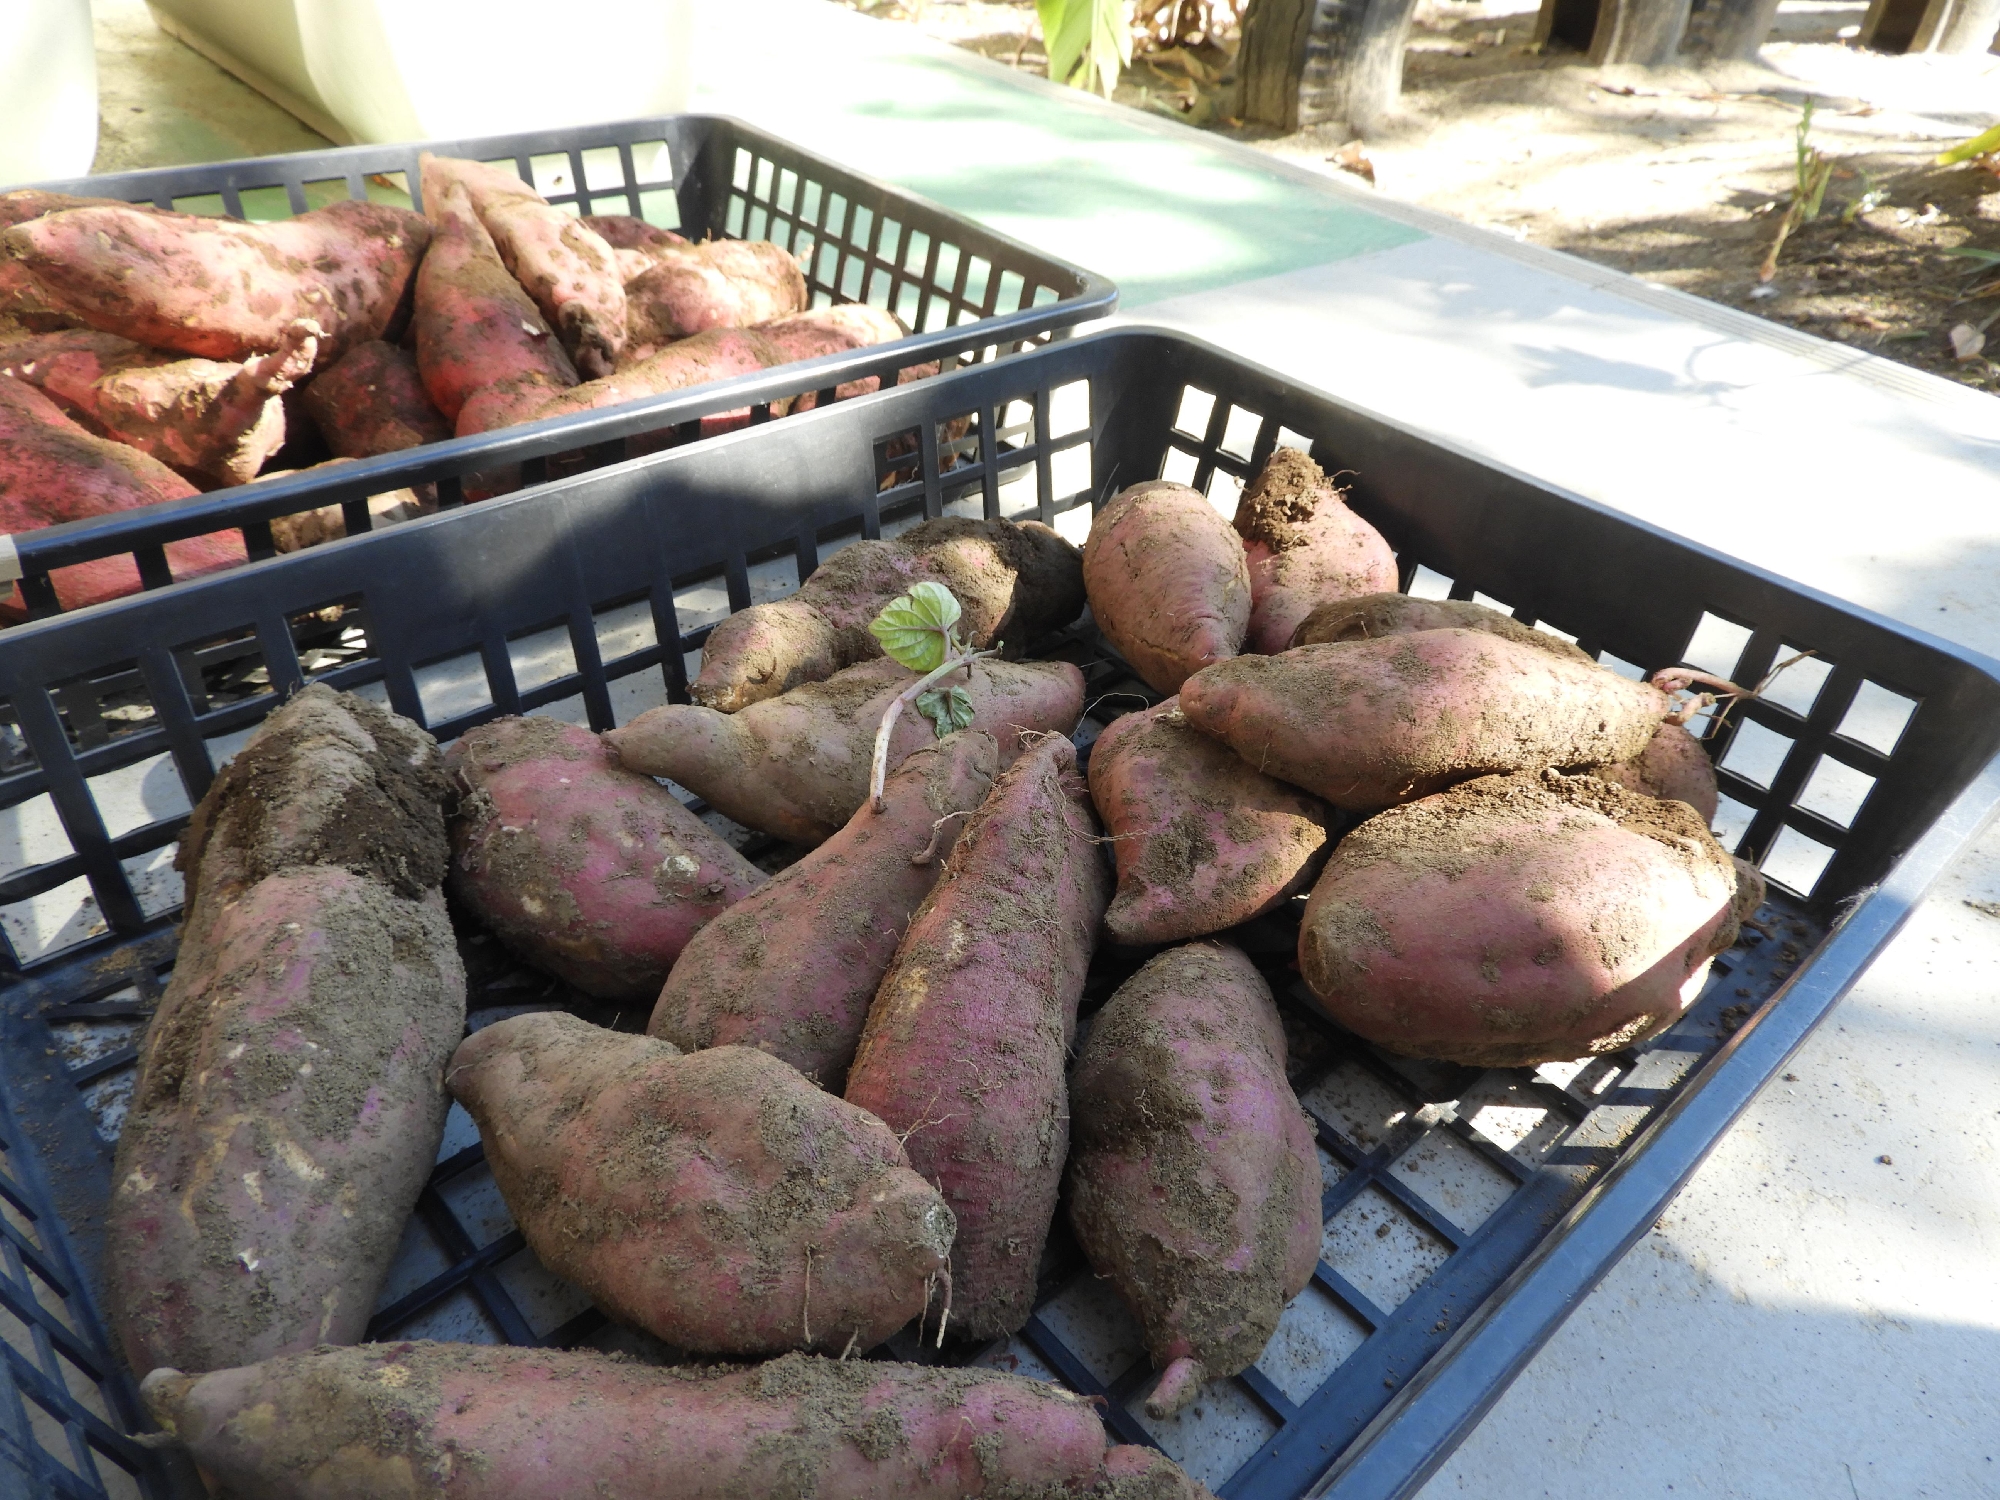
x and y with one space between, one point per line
290 1100
1168 581
1370 616
1367 724
965 1044
797 766
221 288
486 354
721 354
794 965
623 232
690 289
372 401
584 868
715 1199
1673 765
1516 920
1203 840
481 1422
559 260
52 471
1015 581
838 330
1194 1183
1304 547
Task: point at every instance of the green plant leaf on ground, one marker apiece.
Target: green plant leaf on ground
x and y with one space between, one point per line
948 709
1980 145
1088 41
919 629
1968 252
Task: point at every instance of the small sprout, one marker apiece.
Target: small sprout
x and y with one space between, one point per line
949 709
919 630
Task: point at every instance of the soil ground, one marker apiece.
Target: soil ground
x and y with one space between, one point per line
1677 175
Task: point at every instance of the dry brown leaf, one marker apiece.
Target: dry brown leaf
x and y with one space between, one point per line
1352 158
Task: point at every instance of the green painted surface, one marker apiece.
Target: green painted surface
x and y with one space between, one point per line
1157 209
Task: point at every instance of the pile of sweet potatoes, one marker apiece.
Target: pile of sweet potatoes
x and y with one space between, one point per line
222 350
875 1083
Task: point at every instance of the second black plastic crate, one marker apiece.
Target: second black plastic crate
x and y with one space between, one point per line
1466 1211
967 293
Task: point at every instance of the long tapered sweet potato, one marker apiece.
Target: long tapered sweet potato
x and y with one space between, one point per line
220 288
22 204
290 1100
794 965
1671 765
715 1199
480 1422
52 471
372 401
837 330
1194 1184
964 1048
1203 840
624 232
1304 547
720 354
582 867
690 289
1168 582
1367 724
797 766
487 356
1514 920
559 260
1015 581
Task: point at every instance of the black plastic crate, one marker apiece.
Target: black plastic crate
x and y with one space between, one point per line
1467 1211
969 293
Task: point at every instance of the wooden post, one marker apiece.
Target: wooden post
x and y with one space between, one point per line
1646 32
1725 29
1964 27
1308 62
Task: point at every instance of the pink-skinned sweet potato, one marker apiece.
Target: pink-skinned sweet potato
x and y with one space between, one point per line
487 356
486 1422
1370 616
559 260
372 401
1516 920
290 1099
1014 580
1203 840
1168 582
1304 547
793 967
837 330
797 766
220 288
582 867
1194 1183
690 289
1367 724
715 1199
22 204
965 1045
720 354
52 471
1674 766
623 232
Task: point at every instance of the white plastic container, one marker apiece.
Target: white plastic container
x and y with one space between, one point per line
48 89
400 70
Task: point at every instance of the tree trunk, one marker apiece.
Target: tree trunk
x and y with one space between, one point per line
1964 27
1646 32
1730 29
1309 62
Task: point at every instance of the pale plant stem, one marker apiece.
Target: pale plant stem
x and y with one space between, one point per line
878 771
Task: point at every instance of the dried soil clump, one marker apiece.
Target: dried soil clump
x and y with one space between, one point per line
1303 547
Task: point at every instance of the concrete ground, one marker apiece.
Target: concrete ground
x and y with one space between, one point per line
1818 1315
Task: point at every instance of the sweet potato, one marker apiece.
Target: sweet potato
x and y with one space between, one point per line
797 766
716 1200
289 1100
1515 920
623 232
559 260
1304 547
486 355
1015 581
585 869
220 288
794 965
964 1048
1203 840
1168 582
372 401
1194 1184
23 204
1673 765
690 289
1366 724
479 1422
52 471
1370 616
718 355
837 330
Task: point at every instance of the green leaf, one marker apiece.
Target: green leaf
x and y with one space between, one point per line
1968 252
916 629
1985 142
1087 41
948 709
